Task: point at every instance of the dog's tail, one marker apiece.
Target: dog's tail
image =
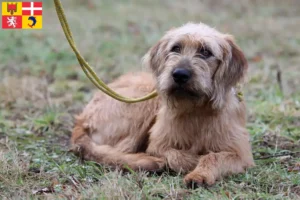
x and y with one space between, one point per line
87 149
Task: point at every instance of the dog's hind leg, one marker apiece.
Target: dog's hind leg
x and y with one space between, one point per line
83 145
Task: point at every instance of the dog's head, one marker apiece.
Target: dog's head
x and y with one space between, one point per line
196 63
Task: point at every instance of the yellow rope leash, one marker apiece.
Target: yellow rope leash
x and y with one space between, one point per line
85 66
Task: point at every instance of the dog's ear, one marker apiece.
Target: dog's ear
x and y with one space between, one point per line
153 58
231 71
237 66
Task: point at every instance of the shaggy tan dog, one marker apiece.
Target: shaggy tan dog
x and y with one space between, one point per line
195 126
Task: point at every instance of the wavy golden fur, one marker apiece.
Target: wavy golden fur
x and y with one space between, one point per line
195 126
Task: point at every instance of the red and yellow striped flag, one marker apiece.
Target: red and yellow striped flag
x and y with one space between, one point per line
22 15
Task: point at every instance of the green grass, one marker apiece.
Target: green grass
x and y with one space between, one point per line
42 87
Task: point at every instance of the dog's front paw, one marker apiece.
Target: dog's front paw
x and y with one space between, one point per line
197 179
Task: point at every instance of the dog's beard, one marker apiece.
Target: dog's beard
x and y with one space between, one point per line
180 92
176 96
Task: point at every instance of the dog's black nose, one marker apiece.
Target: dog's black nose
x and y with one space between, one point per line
181 75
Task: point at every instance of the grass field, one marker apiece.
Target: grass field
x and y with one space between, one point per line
42 87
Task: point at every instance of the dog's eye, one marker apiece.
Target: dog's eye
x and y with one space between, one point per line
176 49
204 53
